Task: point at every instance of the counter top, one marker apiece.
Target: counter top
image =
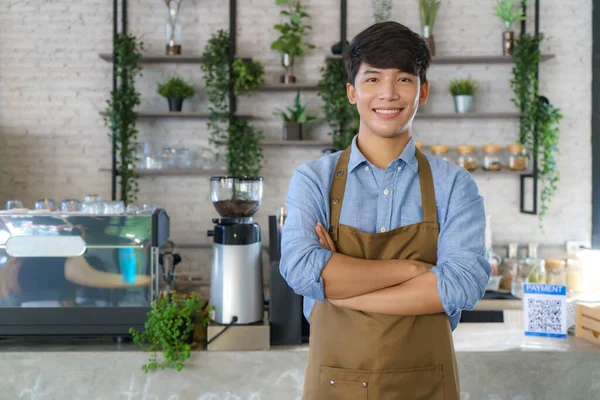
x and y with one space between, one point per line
468 337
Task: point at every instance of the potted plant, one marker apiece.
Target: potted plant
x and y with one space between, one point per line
382 9
341 115
462 90
121 117
505 9
294 119
290 42
428 12
175 90
170 328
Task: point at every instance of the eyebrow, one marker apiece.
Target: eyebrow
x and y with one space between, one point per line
373 72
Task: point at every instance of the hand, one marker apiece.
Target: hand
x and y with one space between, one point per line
324 239
337 303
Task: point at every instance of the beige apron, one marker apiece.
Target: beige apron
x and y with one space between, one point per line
356 355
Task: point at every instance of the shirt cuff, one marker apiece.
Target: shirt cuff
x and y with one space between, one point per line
314 288
449 308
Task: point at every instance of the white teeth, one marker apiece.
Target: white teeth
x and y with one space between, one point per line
388 111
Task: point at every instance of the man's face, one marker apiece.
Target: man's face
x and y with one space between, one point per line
387 99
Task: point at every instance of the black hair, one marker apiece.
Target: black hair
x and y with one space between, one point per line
389 45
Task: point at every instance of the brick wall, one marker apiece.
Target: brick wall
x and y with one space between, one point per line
52 86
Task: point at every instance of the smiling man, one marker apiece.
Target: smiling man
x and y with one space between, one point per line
385 244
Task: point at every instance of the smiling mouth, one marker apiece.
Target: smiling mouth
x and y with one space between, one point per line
388 112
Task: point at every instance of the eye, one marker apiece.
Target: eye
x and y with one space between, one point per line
404 79
371 80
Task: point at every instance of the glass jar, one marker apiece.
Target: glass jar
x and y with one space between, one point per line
556 273
509 267
440 150
466 158
517 157
491 158
574 273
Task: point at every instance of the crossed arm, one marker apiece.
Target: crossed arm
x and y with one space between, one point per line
412 290
396 287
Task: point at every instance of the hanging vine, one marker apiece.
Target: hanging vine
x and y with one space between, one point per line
120 115
539 117
243 154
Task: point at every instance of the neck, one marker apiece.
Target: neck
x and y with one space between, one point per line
381 151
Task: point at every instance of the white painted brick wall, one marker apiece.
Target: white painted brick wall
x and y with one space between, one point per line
52 86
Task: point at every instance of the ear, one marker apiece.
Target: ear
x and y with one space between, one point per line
424 93
351 91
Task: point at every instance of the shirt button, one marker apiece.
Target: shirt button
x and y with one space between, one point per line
386 192
383 229
366 168
399 168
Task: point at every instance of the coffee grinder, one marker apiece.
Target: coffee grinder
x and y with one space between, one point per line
236 285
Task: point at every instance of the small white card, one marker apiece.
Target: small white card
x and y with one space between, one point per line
545 310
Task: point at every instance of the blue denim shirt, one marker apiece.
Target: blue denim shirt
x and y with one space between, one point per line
462 269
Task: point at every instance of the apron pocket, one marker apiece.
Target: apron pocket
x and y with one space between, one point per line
424 383
344 384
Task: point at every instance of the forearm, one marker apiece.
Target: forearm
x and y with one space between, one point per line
345 276
418 296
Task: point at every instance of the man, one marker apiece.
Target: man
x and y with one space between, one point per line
385 276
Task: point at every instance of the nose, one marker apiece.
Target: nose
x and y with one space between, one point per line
388 91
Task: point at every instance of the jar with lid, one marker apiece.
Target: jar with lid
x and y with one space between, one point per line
466 158
440 150
517 157
509 267
556 273
574 273
491 158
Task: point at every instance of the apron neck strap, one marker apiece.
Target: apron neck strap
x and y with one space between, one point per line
427 188
338 186
336 195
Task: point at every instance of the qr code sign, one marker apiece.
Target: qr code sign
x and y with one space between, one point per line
545 316
545 309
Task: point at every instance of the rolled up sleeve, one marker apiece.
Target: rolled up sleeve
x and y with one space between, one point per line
302 257
462 269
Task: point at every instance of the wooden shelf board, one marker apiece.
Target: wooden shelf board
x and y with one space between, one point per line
173 171
163 59
482 59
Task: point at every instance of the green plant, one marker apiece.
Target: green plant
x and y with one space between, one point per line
169 329
248 75
243 154
462 87
539 119
428 10
176 88
382 10
292 32
505 10
296 114
120 115
342 116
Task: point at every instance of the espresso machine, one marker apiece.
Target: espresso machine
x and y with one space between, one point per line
236 286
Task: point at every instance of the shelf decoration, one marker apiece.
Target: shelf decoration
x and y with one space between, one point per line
175 90
462 91
382 10
428 10
291 42
173 27
120 116
505 10
294 119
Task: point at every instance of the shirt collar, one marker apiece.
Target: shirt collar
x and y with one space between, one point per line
408 156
